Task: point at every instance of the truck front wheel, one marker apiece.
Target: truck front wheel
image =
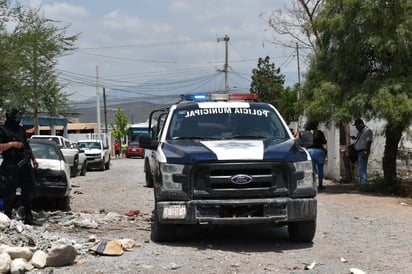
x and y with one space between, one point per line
303 231
107 165
148 174
162 232
102 167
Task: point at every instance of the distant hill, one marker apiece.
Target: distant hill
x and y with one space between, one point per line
136 111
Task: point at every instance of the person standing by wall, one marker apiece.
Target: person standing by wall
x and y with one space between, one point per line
363 147
317 151
16 166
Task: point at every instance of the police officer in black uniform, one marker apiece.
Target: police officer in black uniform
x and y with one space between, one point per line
17 168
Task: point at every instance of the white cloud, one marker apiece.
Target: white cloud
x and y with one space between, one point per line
61 11
163 37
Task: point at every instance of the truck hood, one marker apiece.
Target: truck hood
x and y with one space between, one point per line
92 151
194 151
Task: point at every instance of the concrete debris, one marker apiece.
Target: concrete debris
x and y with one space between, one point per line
24 247
127 244
4 221
18 266
39 259
19 252
61 254
5 262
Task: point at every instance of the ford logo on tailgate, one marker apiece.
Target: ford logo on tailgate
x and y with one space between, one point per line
241 179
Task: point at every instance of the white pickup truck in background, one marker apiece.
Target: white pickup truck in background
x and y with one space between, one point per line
97 153
71 154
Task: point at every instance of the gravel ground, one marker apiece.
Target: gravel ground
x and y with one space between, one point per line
371 233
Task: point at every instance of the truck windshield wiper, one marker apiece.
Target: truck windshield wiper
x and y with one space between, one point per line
195 138
248 137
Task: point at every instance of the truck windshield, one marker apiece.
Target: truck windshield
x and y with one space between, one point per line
248 121
89 145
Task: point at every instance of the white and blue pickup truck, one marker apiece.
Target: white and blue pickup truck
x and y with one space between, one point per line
97 153
227 159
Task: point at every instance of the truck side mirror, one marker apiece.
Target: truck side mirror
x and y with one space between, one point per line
146 141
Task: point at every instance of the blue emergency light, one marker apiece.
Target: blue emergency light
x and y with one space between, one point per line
195 97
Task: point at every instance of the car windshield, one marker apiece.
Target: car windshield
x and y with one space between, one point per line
89 145
246 121
44 151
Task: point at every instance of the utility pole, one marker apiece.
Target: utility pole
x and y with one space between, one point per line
225 68
297 55
105 115
98 102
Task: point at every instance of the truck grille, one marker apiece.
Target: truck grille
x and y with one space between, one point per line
215 180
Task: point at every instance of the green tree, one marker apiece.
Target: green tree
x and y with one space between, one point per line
33 47
268 83
362 66
288 103
120 125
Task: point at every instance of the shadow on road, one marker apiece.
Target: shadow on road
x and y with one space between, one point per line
243 238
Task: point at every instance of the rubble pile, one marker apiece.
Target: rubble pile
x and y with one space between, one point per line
24 247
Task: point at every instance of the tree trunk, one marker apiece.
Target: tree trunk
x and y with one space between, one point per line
393 136
348 165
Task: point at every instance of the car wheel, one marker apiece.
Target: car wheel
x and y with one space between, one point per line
148 175
302 231
162 232
63 203
102 166
107 165
84 169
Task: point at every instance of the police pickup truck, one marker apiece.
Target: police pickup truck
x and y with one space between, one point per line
228 159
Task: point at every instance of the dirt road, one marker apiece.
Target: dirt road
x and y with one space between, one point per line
370 233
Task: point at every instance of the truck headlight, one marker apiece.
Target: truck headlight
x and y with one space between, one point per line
305 178
167 171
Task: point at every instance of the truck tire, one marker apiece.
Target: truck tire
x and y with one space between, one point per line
63 203
148 174
102 166
303 231
84 169
162 232
107 165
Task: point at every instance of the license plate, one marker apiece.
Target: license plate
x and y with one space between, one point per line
174 212
133 149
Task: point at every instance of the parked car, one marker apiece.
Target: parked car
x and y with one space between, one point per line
70 154
134 150
53 175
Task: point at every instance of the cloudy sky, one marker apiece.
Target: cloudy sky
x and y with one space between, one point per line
155 47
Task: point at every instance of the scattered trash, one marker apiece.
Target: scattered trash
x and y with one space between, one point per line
311 266
343 260
110 248
356 271
133 213
404 204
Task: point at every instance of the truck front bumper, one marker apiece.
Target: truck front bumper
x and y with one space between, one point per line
247 211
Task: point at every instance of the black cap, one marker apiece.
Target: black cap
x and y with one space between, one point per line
358 121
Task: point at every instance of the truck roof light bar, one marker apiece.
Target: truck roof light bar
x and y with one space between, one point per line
199 97
195 97
244 96
219 96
